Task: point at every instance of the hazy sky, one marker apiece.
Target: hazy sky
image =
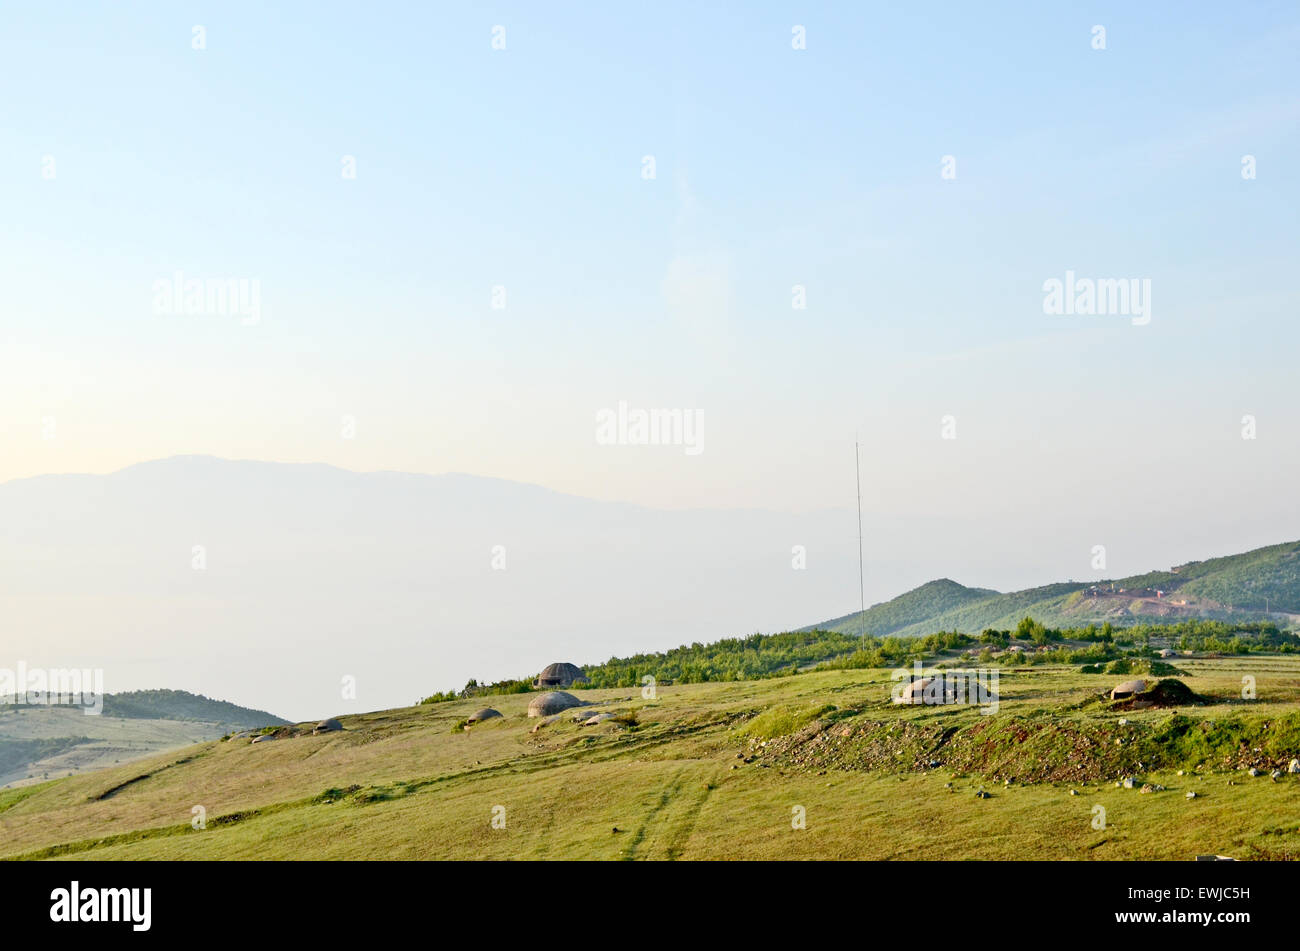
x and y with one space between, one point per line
129 156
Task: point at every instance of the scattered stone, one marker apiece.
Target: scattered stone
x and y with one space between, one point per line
545 722
1275 775
1294 767
981 794
1123 721
1074 792
1191 794
1129 782
1152 787
1252 772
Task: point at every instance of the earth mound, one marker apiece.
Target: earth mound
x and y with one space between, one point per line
1169 692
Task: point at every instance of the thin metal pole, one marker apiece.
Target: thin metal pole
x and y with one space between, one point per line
862 597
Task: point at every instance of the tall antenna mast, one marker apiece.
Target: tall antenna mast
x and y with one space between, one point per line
862 597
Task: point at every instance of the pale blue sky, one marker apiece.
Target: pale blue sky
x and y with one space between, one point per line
776 167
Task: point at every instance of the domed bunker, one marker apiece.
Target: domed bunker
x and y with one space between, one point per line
1127 689
549 704
560 675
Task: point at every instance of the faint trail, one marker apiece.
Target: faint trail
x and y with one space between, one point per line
671 789
686 824
528 764
112 791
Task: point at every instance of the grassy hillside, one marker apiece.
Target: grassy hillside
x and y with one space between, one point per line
721 770
911 609
735 658
41 742
1234 587
1246 582
181 705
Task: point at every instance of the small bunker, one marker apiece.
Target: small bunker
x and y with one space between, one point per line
914 692
549 704
328 726
1165 693
560 675
264 738
1127 689
946 689
487 713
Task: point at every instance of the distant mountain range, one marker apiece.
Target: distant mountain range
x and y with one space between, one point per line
274 584
321 591
1259 584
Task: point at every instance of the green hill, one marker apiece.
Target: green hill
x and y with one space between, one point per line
182 705
1231 588
43 741
716 771
916 607
1221 590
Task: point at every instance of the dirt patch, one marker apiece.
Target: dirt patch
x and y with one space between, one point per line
1038 748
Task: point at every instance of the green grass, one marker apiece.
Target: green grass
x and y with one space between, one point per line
715 770
784 720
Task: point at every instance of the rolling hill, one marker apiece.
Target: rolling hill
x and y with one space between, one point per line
1233 587
39 742
714 771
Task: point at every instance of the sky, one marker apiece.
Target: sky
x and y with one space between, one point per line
920 173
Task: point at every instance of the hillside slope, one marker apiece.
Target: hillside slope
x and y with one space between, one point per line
41 742
183 705
1234 587
915 607
713 771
